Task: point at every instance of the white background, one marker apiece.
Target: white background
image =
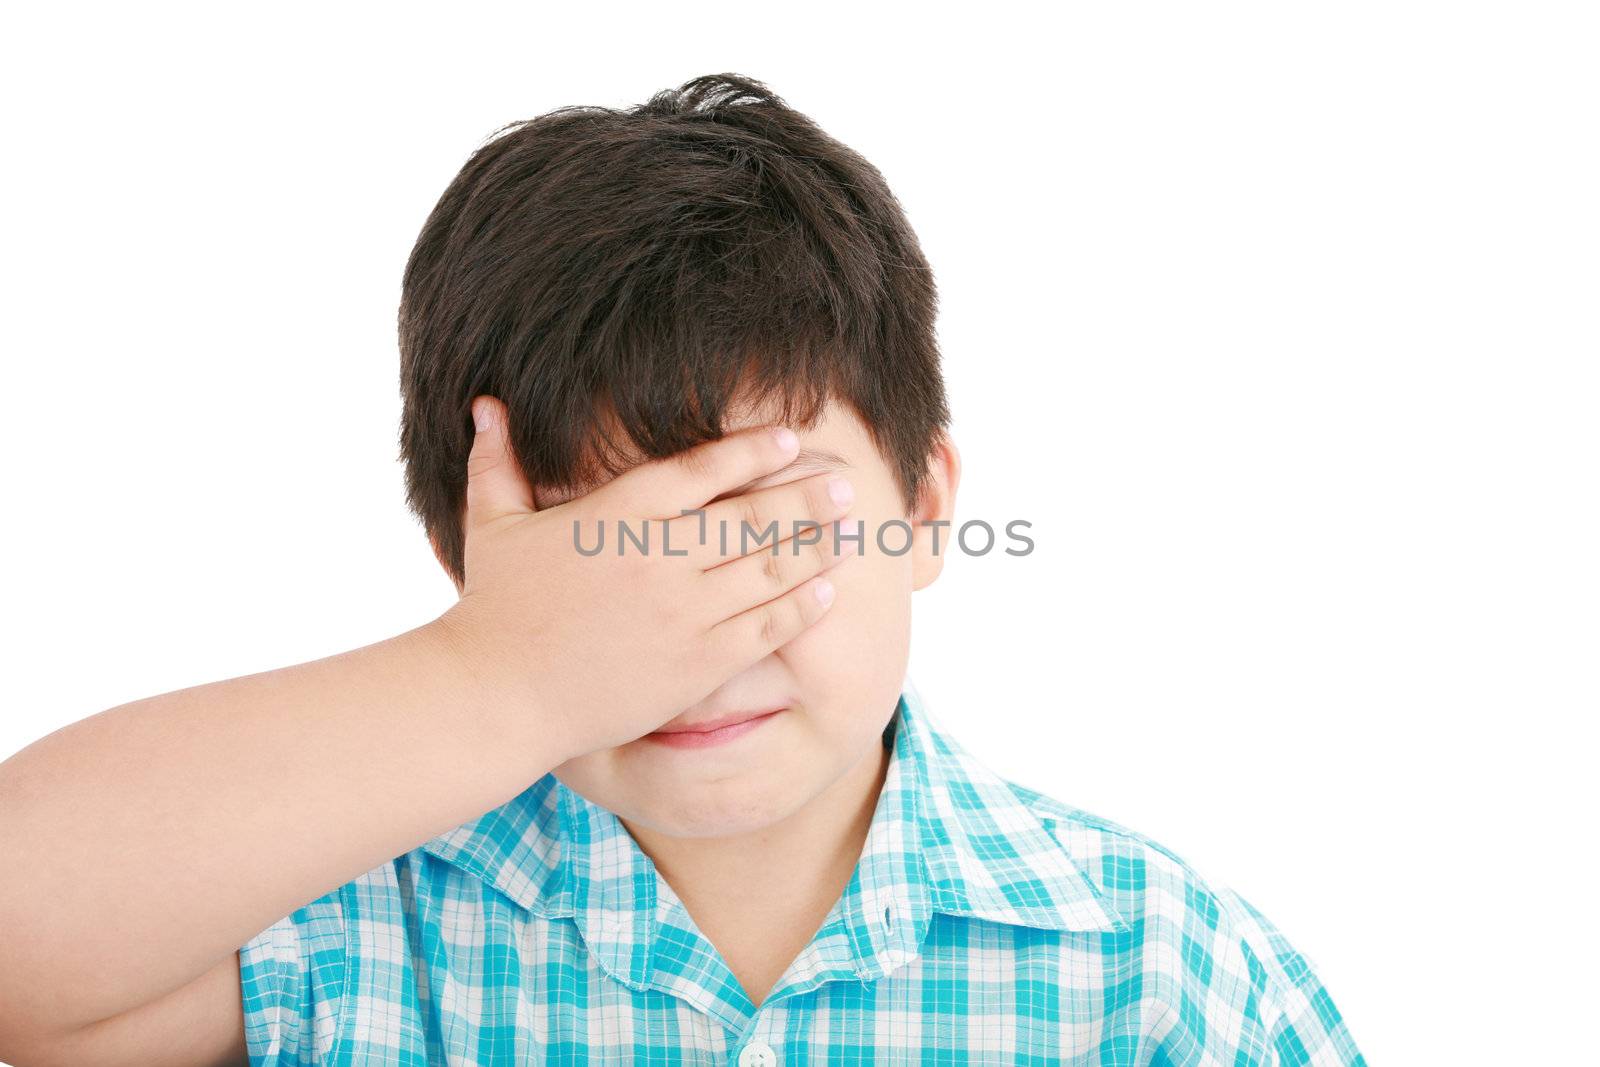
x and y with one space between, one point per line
1278 322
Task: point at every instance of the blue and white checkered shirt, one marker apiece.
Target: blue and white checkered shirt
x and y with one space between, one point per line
984 923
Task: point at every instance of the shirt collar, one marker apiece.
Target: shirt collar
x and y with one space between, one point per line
947 837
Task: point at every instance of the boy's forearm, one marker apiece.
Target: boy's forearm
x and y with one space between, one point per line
146 843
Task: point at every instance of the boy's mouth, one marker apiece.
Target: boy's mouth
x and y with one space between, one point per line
713 731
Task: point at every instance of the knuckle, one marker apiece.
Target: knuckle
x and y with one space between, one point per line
749 515
804 605
480 463
818 503
799 609
772 626
772 568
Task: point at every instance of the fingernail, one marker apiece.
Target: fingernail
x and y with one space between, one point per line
841 492
824 590
786 439
846 546
481 418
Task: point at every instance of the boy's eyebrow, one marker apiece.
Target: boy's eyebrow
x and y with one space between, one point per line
815 460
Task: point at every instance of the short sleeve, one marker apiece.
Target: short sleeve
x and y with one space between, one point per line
1305 1029
291 978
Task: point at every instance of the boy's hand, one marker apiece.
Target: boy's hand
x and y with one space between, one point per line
589 652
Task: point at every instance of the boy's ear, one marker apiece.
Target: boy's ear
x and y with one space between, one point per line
932 517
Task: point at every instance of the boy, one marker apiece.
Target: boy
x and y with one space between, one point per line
745 840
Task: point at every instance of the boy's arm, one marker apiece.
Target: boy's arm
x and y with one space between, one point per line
201 1024
146 843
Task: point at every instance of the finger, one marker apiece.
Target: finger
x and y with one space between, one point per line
665 488
749 581
753 522
495 483
754 634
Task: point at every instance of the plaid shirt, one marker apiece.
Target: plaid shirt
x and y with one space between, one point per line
984 923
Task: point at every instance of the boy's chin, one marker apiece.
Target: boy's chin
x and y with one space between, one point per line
708 811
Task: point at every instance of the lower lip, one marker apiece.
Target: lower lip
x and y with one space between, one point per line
707 738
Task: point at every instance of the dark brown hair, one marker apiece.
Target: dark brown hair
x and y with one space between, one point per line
632 273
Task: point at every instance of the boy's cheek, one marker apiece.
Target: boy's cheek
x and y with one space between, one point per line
866 633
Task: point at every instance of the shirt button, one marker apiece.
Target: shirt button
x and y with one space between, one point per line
888 916
757 1054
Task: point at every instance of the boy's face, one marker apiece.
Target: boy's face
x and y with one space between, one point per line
837 683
